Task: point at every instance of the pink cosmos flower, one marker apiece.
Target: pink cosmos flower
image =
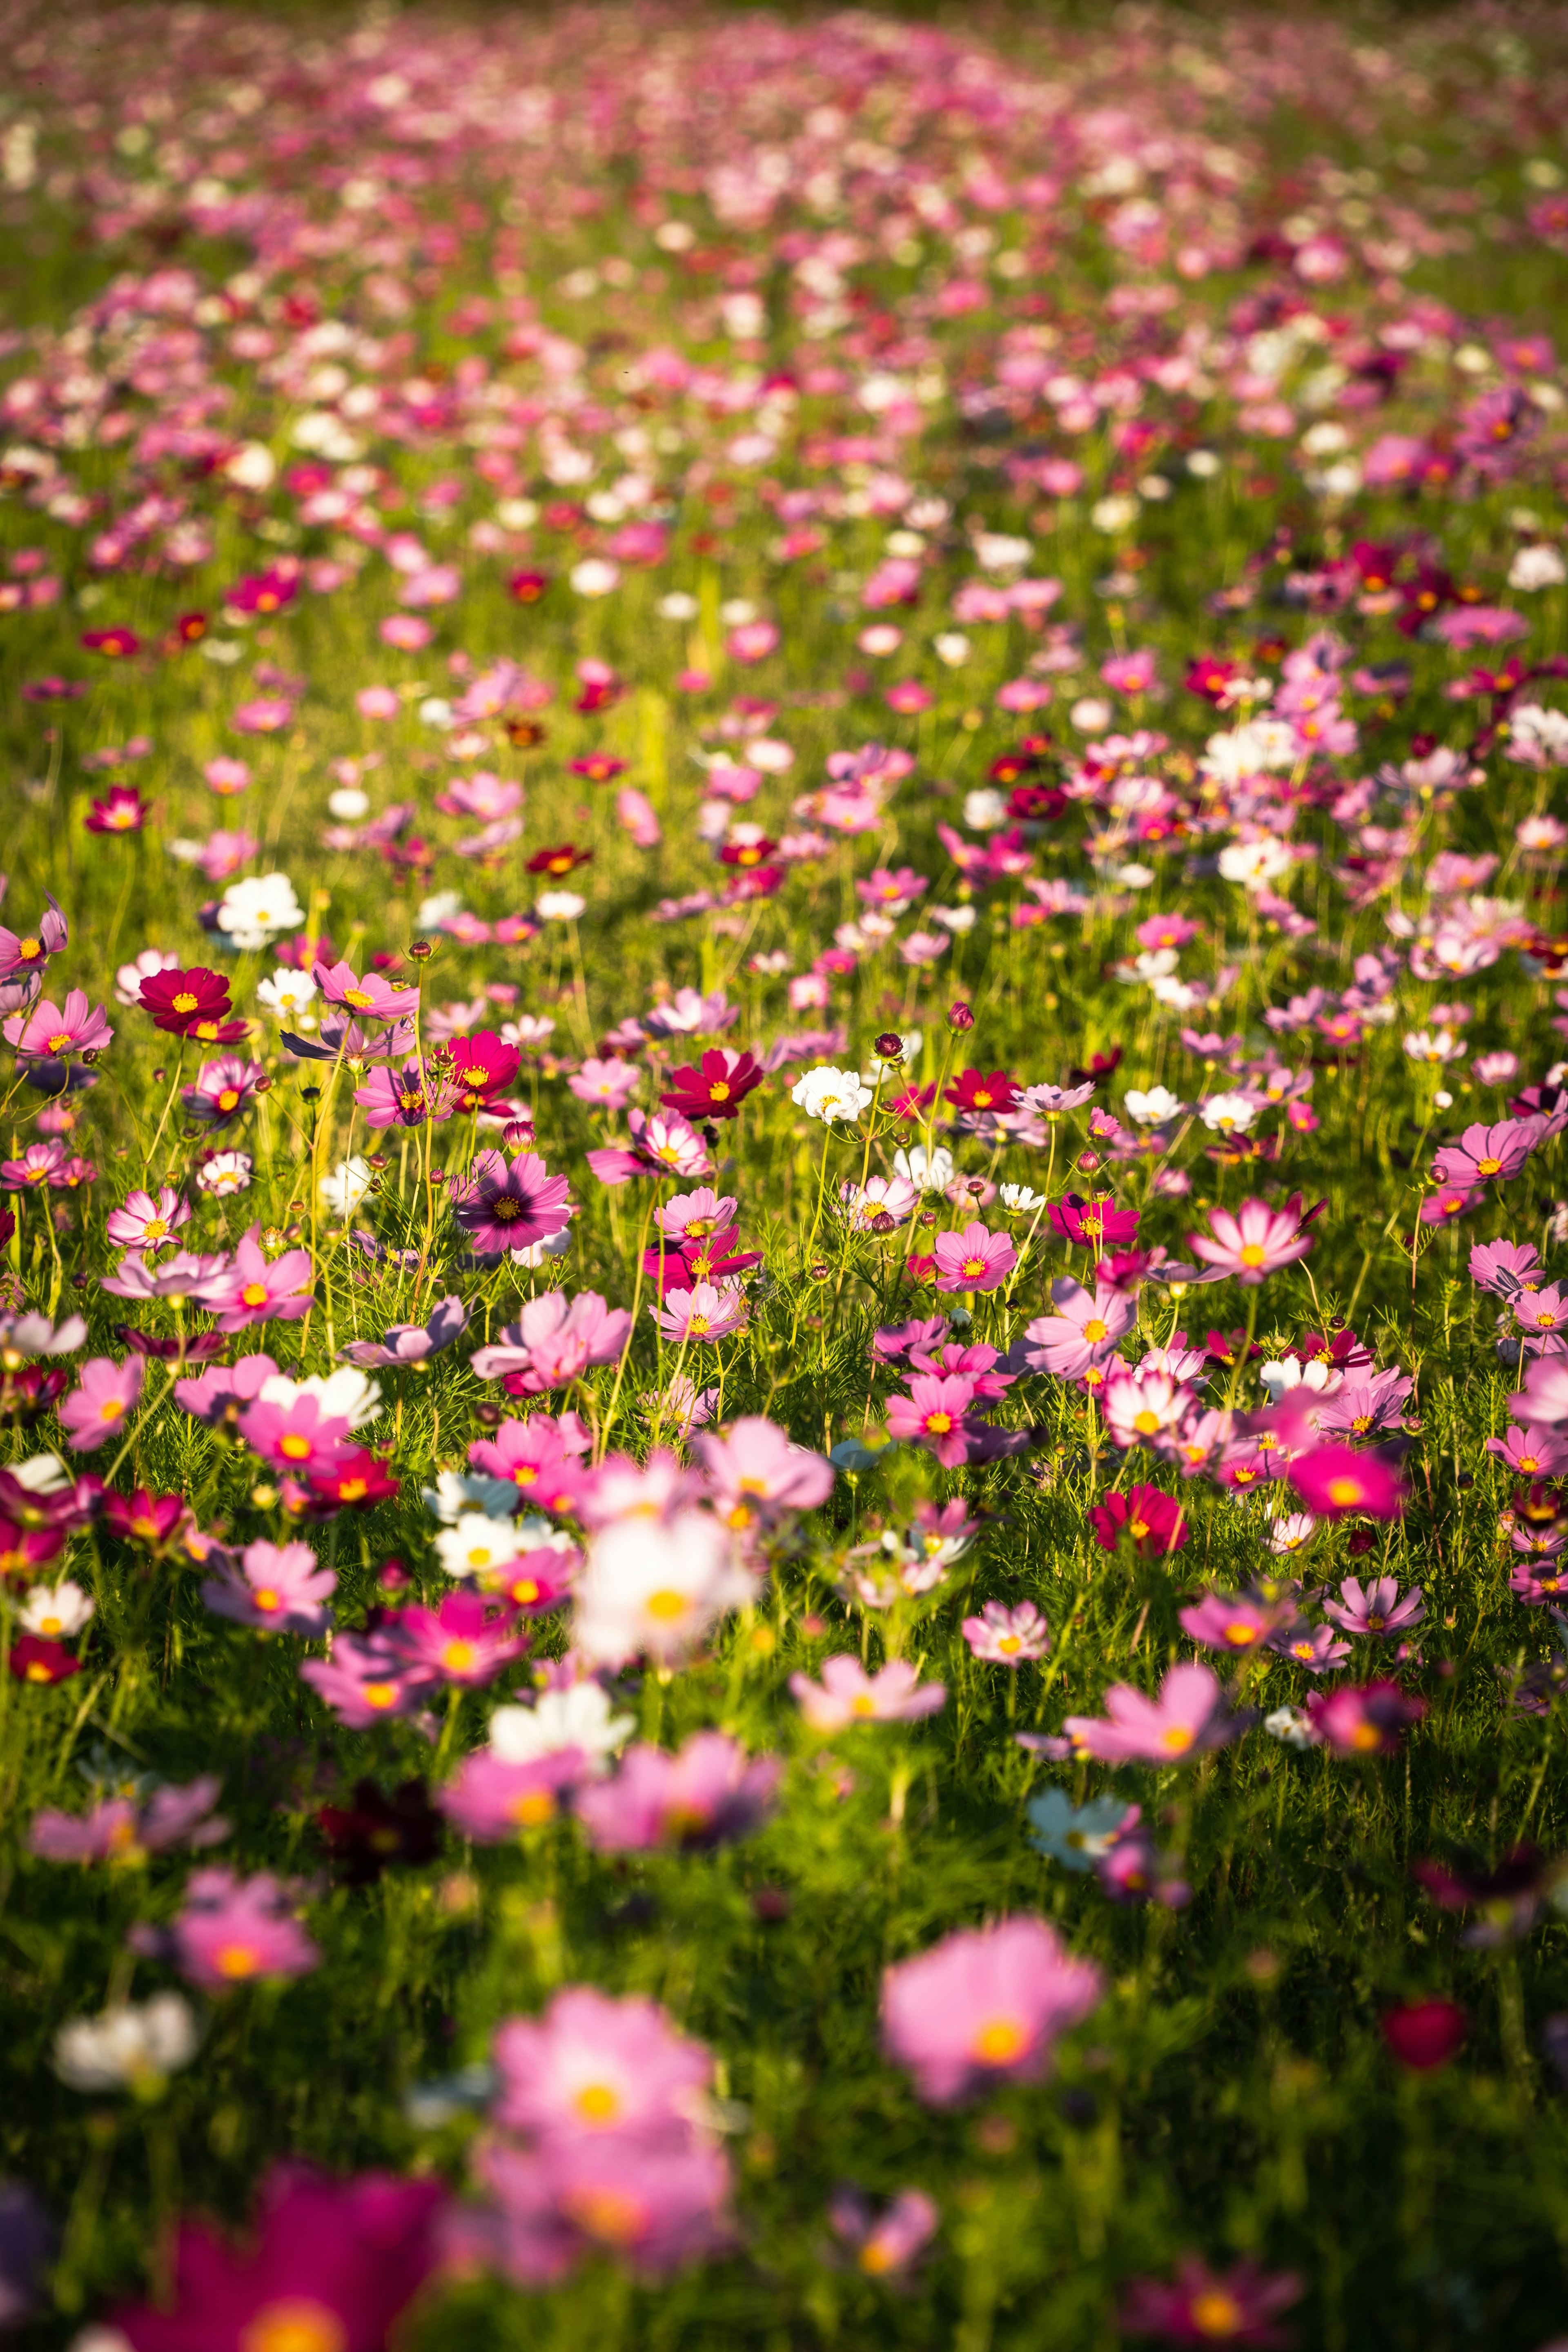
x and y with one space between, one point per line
656 2207
96 1410
1083 1332
298 1436
121 1830
1144 1407
493 1801
1231 1621
221 1089
277 1588
254 1289
595 2068
265 715
50 1031
143 1223
1543 1402
610 1084
1488 1153
29 951
848 1693
1005 1637
1530 1454
885 2245
707 1312
706 1794
974 1259
756 1473
552 1342
1334 1479
234 1929
369 999
468 1640
363 1683
662 1144
1253 1244
1190 1716
503 1208
1362 1718
936 1415
1378 1608
984 2006
211 1394
529 1453
405 1097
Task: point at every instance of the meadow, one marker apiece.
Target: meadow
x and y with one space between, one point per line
784 1375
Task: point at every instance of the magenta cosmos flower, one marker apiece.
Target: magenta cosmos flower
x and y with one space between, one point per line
1204 2306
1190 1716
974 1259
848 1693
935 1414
1253 1244
707 1794
493 1801
1333 1480
467 1640
330 2267
503 1208
984 2006
1362 1718
1484 1153
364 1682
96 1410
369 999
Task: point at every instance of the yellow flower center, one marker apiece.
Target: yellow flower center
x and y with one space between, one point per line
1000 2041
267 1600
597 2102
529 1810
294 2324
667 1604
293 1447
254 1295
1343 1492
1094 1330
1177 1740
459 1657
1252 1254
379 1694
236 1960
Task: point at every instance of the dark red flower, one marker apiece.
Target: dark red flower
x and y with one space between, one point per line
716 1088
977 1091
710 1257
1150 1520
1204 2306
560 862
363 1838
118 644
523 734
332 2267
747 854
1100 1065
191 628
1425 2034
598 767
191 1003
527 587
34 1660
355 1477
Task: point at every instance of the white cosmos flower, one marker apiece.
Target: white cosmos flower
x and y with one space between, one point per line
347 1394
254 910
1019 1200
1152 1109
347 1185
1536 567
559 906
476 1546
579 1716
594 576
929 1171
459 1491
127 2048
58 1611
829 1095
286 994
655 1587
1228 1114
1254 863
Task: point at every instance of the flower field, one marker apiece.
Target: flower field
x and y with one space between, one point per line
783 1315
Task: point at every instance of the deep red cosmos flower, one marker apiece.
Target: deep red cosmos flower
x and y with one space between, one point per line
976 1091
716 1089
191 1003
122 810
560 862
482 1068
118 643
527 587
598 767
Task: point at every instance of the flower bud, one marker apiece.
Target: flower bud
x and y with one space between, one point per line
960 1017
889 1046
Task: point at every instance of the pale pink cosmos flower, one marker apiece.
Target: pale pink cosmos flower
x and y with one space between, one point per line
1005 1637
121 1830
709 1792
984 2006
691 1216
143 1223
707 1312
1254 1242
610 1084
756 1472
1190 1716
890 1198
1083 1332
98 1408
552 1342
1488 1154
363 1683
1145 1408
656 2207
883 2244
1377 1608
653 1584
297 1436
277 1588
848 1693
370 998
594 2066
